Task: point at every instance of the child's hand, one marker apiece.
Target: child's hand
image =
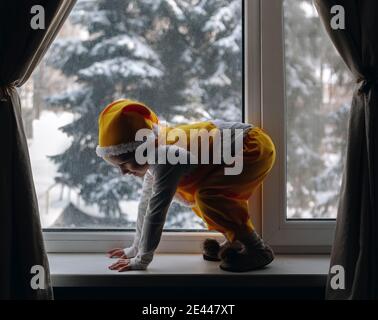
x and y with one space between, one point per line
121 265
117 254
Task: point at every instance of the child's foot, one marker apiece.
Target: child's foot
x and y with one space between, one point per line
212 248
250 258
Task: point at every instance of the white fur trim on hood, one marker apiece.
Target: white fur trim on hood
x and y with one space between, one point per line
117 150
125 147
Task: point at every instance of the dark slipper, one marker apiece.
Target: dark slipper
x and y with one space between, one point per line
210 258
236 261
211 249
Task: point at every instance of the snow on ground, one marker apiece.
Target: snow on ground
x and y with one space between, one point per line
47 140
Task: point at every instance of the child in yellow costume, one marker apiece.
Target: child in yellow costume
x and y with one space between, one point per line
220 200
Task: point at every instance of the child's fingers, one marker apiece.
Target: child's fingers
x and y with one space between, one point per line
125 267
119 264
115 265
110 254
114 250
116 253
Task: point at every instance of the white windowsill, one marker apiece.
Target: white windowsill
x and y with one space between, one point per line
91 270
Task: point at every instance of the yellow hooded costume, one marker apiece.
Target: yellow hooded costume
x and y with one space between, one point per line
221 201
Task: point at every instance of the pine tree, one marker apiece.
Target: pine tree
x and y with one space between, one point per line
115 58
207 57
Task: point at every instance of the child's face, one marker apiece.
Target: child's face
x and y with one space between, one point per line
127 164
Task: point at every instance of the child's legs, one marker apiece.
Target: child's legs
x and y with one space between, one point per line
225 215
259 156
222 201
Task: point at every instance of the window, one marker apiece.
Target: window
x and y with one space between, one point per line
184 58
308 117
318 95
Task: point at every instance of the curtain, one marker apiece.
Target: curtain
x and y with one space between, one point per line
21 242
356 246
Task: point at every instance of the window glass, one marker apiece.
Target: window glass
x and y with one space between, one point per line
318 95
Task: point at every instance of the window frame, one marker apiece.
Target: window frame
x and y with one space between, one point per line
313 236
263 42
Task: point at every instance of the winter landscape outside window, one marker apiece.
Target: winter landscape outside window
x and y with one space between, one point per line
318 94
184 58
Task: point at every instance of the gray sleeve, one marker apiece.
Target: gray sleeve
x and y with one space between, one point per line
132 251
166 179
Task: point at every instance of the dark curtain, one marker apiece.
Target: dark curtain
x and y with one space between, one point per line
21 242
356 245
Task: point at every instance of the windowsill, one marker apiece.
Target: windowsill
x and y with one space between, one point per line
91 270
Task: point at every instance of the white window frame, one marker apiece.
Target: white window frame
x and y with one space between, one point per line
284 235
264 60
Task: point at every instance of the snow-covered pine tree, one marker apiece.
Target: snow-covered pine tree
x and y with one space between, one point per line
223 60
113 60
210 57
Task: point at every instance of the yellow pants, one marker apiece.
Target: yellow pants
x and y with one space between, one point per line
221 200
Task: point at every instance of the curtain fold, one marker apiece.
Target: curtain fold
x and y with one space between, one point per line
355 247
21 241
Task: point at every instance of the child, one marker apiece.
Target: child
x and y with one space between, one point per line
220 200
